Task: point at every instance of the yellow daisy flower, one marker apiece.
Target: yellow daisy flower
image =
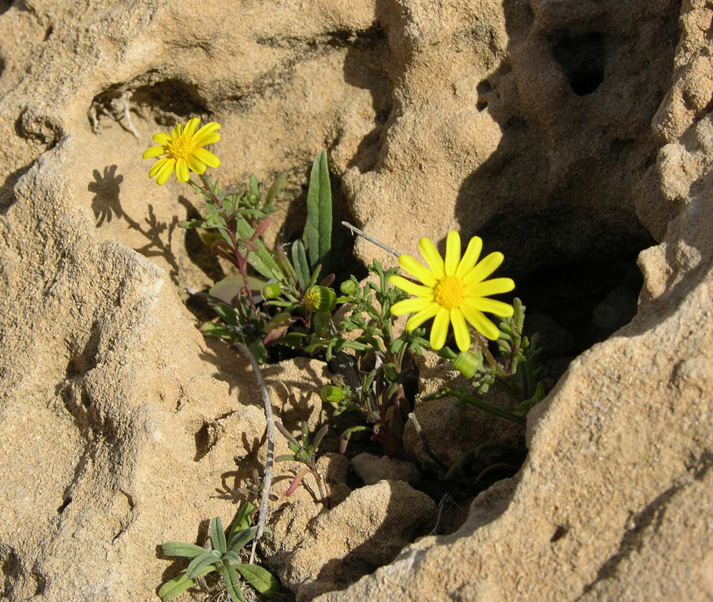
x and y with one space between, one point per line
183 150
453 291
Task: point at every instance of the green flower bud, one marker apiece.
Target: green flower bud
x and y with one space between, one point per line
468 363
271 291
320 298
332 394
348 287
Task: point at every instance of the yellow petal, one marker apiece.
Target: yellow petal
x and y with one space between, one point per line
191 126
470 257
156 167
492 306
411 287
161 138
154 151
177 131
207 157
491 287
452 253
196 165
418 270
207 132
480 322
486 267
207 139
419 318
182 172
430 254
439 330
165 172
409 306
460 329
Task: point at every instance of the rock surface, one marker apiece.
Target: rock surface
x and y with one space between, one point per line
556 130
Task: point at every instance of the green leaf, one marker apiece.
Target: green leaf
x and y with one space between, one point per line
275 188
261 579
318 230
233 557
218 331
217 535
201 562
232 583
254 189
261 259
179 548
179 584
228 288
240 538
300 263
242 520
192 223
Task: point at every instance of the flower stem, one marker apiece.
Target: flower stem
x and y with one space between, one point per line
371 239
270 435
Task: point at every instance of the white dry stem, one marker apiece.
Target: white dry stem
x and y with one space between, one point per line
267 479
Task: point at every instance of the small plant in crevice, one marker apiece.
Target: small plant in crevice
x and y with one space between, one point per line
303 449
283 297
223 556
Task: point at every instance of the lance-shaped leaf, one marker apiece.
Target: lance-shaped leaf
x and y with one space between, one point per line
200 563
239 539
217 535
260 578
300 263
179 548
261 259
179 584
232 583
275 189
318 230
243 519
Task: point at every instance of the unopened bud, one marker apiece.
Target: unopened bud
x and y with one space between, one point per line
468 363
348 287
332 394
271 291
320 298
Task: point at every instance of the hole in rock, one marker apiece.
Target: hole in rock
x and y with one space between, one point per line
206 437
576 274
559 533
5 5
64 505
583 60
168 99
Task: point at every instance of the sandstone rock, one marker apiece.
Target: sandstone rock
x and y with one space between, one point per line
527 122
372 469
365 531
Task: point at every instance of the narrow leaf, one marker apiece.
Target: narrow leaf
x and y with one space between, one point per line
242 520
275 188
318 230
232 583
261 259
179 548
240 538
179 584
199 563
300 263
261 579
217 535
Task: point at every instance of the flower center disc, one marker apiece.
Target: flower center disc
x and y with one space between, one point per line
180 148
450 292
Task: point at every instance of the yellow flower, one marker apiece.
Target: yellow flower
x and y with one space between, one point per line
453 291
183 150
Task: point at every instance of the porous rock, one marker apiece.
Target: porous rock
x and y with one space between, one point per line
555 130
367 530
